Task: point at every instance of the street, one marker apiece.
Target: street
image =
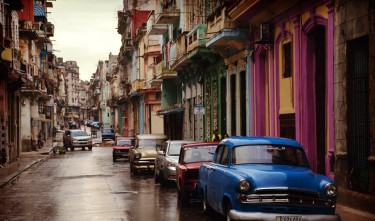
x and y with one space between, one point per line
87 185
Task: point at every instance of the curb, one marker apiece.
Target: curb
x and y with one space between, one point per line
11 177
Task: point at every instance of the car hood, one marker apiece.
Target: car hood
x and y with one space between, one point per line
146 153
122 147
82 137
196 165
173 159
280 176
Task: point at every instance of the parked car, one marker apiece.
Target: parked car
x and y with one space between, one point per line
166 160
122 147
94 124
191 157
142 156
108 133
265 178
76 138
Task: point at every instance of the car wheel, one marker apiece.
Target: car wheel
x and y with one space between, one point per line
114 159
72 148
90 148
184 197
206 207
228 207
162 180
156 177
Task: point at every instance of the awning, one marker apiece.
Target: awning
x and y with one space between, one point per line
171 111
39 11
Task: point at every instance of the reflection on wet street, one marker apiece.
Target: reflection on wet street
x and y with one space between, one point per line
87 185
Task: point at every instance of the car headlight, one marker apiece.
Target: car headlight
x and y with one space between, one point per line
331 190
170 164
75 141
244 186
138 156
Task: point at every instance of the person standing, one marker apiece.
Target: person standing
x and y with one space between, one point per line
216 136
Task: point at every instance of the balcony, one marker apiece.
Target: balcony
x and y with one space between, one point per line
162 72
169 15
138 85
151 77
122 21
155 29
27 30
196 38
39 28
50 29
180 59
224 36
128 45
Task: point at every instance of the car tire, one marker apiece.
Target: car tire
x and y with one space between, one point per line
206 208
156 177
162 180
90 148
184 197
228 207
72 148
114 159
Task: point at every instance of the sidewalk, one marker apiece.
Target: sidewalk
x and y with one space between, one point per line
28 159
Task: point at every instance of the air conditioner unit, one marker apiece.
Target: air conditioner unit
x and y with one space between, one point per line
263 34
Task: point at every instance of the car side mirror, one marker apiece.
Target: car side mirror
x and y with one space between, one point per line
161 153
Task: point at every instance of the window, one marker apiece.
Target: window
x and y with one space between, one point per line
219 152
287 60
225 159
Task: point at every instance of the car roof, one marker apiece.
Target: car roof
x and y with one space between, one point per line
262 140
151 136
124 138
181 141
75 130
199 144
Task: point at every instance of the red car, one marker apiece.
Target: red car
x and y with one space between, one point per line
122 147
191 157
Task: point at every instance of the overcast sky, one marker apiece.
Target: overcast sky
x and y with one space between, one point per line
85 31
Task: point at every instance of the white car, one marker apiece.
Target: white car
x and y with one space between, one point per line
166 160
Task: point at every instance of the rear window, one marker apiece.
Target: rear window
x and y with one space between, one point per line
199 154
108 131
124 142
78 133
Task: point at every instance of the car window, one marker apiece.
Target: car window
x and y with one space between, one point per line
218 154
199 154
269 154
124 142
174 149
79 133
224 158
108 131
150 143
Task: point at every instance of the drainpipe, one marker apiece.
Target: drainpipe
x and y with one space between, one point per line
249 83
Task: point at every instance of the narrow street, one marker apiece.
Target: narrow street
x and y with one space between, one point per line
87 185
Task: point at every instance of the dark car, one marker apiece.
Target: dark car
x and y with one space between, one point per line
108 133
265 178
122 147
191 157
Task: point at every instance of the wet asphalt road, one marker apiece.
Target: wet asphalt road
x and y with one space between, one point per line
87 185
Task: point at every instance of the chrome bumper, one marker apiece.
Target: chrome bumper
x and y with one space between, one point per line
237 215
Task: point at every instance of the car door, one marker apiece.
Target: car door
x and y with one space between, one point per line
215 177
160 156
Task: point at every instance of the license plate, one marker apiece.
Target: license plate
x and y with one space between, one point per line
288 218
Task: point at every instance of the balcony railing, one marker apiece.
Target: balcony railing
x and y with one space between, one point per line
197 37
168 15
155 29
180 50
162 72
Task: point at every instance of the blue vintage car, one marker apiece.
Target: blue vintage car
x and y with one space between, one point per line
265 178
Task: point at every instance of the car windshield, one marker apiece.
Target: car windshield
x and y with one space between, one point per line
269 154
199 154
174 149
150 143
79 133
108 131
124 143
